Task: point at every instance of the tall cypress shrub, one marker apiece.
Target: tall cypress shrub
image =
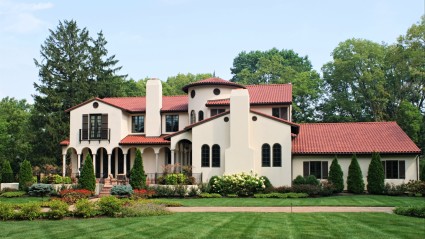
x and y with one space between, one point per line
87 178
422 173
6 172
336 176
355 183
25 175
137 173
375 175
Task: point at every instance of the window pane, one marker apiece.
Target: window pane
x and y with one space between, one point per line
401 169
265 153
95 126
192 117
216 155
276 112
205 156
277 155
391 169
201 115
171 123
316 169
138 124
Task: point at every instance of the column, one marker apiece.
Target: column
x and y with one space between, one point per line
116 163
156 162
101 164
94 164
109 164
63 165
78 163
172 156
125 164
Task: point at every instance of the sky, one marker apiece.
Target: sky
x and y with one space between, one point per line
161 38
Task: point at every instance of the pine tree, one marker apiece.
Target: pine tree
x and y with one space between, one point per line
6 172
355 183
137 174
25 176
87 178
336 176
375 175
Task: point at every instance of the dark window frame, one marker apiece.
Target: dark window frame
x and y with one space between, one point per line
216 111
95 126
215 159
172 123
320 169
280 112
277 155
205 156
394 169
138 121
265 155
200 115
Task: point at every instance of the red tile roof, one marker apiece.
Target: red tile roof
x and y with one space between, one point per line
212 81
64 142
142 139
349 138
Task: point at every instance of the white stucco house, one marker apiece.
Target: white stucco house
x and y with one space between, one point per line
220 127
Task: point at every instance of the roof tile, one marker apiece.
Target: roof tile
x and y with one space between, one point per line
212 81
142 139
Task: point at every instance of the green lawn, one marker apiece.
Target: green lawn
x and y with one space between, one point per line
23 199
225 225
351 200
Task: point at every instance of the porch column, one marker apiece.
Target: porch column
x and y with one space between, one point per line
63 165
78 163
116 163
156 162
94 164
109 164
125 164
172 156
101 164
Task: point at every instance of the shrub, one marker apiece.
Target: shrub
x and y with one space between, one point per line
165 191
268 185
139 209
6 172
40 190
87 178
375 175
193 192
180 190
282 189
232 196
58 209
415 188
110 206
190 180
422 173
336 176
411 211
122 190
299 180
84 208
311 190
66 180
6 211
241 184
13 194
355 183
209 195
312 180
71 196
137 173
29 211
143 193
25 176
394 190
4 190
173 179
326 189
165 203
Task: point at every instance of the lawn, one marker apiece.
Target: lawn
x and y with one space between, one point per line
225 225
349 200
23 199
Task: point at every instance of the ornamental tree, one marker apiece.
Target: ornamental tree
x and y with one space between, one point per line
336 176
25 176
375 175
355 183
6 172
137 173
87 178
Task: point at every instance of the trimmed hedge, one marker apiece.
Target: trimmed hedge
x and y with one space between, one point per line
25 176
6 172
411 211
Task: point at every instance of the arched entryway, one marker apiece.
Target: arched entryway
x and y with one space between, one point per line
183 154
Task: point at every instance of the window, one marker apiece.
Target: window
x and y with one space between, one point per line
277 155
280 112
394 169
317 168
216 156
172 123
265 155
192 117
201 115
95 126
216 91
192 93
217 111
138 124
205 156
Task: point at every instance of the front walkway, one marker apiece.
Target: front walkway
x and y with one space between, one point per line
282 209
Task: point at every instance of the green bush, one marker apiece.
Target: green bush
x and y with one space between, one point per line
110 206
394 190
312 180
87 178
375 175
415 188
326 189
355 183
137 173
311 190
411 211
6 172
7 211
209 195
268 185
232 196
174 179
58 210
28 211
336 176
13 194
86 209
40 190
139 209
25 176
163 191
241 184
193 192
163 202
422 173
299 180
122 190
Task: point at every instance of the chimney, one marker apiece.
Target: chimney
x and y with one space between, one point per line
153 108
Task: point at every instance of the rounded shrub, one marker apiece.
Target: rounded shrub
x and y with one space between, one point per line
375 175
312 180
87 178
86 209
25 176
122 190
137 173
299 180
110 206
40 190
241 184
355 183
58 210
6 172
336 176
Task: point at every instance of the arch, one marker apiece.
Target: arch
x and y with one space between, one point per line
165 153
277 155
205 156
101 167
200 115
117 162
215 159
71 163
192 117
265 155
183 154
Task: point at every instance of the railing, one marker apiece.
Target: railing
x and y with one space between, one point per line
84 135
158 178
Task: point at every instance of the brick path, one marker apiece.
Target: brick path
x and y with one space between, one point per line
282 209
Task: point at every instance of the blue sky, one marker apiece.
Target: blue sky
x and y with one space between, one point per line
161 38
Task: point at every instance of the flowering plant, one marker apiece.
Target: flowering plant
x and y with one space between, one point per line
143 193
71 196
241 184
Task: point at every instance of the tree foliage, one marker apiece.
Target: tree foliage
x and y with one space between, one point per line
336 176
87 178
7 173
25 176
174 84
355 183
375 175
137 173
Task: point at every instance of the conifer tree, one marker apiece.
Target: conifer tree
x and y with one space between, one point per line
25 176
355 183
336 176
375 175
137 174
87 178
6 172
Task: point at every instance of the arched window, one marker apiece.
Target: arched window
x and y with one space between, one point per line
192 117
215 156
265 155
201 115
277 155
205 156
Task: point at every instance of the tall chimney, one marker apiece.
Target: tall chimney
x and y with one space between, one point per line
153 108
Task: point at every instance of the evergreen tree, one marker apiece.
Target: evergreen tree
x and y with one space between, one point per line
336 176
355 183
6 172
137 174
422 173
87 178
25 176
375 175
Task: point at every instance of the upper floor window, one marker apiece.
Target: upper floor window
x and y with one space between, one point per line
217 111
317 168
280 112
205 156
216 155
95 126
394 169
200 115
138 124
277 155
192 117
172 123
265 155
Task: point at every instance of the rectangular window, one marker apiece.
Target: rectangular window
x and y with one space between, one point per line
172 123
215 156
216 111
138 124
317 168
394 169
280 112
95 126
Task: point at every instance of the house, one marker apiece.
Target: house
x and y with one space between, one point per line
220 127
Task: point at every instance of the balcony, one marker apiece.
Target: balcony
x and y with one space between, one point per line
95 135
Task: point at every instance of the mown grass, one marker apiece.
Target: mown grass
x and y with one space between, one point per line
23 199
225 225
349 200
